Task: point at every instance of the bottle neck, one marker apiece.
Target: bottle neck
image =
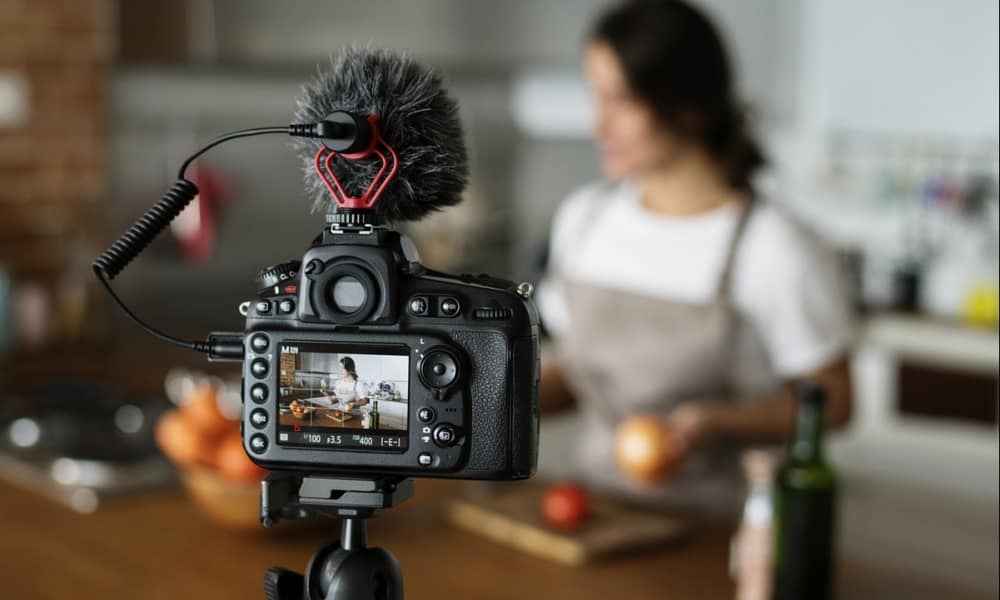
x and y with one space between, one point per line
808 445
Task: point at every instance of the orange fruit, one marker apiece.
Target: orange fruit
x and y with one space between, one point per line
201 409
180 440
234 464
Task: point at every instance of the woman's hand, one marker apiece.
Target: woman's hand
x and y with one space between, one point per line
770 418
553 390
691 423
653 448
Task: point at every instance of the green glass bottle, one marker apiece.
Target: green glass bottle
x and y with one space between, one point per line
374 416
805 503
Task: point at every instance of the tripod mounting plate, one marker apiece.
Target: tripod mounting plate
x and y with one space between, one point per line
285 495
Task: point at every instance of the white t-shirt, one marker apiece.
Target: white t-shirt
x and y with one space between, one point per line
786 286
347 391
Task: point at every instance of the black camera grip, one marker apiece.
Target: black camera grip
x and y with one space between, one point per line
149 225
487 353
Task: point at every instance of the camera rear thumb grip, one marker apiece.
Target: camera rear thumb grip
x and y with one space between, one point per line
149 225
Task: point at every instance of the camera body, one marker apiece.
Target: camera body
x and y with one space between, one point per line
359 360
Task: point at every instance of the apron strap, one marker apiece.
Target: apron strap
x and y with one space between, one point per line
722 293
598 205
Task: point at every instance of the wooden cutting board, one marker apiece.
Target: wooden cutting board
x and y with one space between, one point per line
513 518
339 416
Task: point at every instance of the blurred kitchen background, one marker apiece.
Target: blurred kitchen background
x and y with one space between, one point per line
880 117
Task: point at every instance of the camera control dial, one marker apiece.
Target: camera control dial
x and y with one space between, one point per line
277 275
439 368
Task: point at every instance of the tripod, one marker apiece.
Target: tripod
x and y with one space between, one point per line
340 570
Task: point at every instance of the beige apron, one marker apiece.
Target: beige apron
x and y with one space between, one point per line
626 354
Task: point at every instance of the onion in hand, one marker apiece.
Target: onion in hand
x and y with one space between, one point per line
648 450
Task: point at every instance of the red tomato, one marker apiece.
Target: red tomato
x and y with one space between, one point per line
566 506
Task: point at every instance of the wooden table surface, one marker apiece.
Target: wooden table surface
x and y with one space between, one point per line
158 546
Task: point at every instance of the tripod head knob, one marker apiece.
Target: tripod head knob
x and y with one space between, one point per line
282 584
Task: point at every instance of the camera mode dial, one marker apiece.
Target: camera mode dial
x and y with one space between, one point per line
277 275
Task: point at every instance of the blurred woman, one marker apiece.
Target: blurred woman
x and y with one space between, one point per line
673 291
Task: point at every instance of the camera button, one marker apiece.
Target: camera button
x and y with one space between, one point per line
258 443
286 306
425 459
418 305
425 414
259 368
445 435
259 418
450 307
258 392
263 307
259 342
438 369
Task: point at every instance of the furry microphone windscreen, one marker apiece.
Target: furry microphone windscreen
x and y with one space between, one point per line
417 118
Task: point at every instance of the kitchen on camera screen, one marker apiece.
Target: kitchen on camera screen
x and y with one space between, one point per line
340 396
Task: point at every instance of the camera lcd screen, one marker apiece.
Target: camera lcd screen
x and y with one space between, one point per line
344 397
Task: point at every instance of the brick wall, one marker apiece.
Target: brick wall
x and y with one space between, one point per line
54 162
53 167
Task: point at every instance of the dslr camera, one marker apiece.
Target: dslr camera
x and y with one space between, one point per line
360 360
361 367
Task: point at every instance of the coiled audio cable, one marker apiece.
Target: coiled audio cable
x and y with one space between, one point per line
113 260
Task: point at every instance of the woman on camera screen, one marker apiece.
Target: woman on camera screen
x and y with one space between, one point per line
675 295
348 390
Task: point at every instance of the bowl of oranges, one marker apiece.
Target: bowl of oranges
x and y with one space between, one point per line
201 436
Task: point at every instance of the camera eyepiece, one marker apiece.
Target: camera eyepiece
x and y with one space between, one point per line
351 293
348 294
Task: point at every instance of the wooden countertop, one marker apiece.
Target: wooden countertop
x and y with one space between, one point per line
158 546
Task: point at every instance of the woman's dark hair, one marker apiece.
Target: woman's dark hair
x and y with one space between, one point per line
348 363
675 60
